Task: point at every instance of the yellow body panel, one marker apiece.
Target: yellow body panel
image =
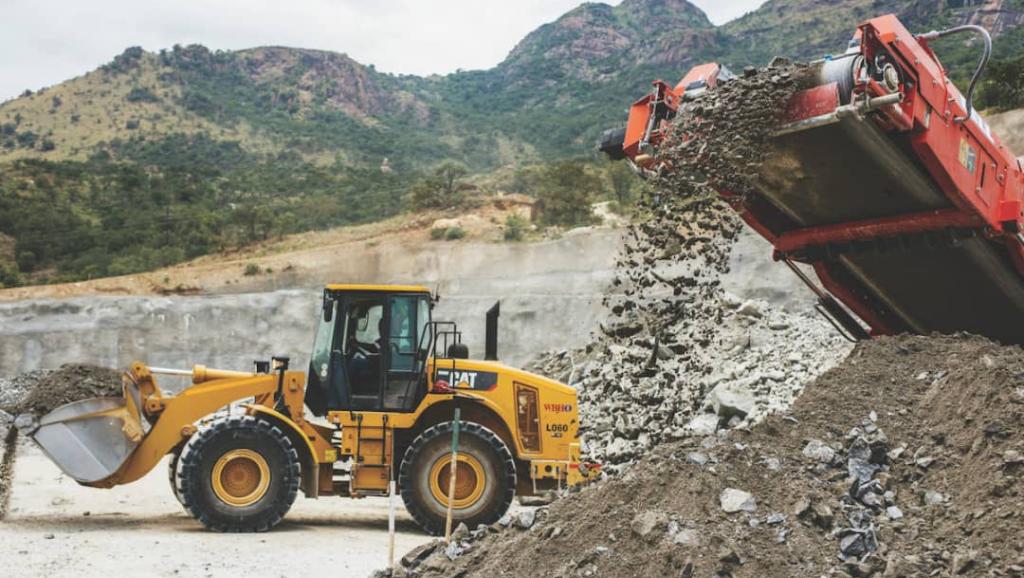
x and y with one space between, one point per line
388 288
172 422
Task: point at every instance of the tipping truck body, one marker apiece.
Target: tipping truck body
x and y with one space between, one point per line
887 182
373 414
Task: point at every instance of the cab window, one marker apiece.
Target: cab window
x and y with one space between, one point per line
402 333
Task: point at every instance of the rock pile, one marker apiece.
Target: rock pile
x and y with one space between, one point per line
904 460
679 355
41 391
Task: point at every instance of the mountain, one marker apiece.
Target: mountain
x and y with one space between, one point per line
157 157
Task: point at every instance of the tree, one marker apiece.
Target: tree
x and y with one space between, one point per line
624 182
442 189
1004 85
566 192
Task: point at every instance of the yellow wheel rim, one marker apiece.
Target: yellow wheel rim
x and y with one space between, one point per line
469 482
240 477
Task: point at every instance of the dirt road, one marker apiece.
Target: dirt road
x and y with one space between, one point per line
57 528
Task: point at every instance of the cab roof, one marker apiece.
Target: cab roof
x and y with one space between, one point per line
383 288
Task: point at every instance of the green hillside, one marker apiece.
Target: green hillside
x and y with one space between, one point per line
158 157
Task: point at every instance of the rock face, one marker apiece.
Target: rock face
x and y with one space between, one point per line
594 42
550 295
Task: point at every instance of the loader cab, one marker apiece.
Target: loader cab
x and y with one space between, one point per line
369 351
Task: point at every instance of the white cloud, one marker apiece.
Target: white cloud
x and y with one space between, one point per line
43 43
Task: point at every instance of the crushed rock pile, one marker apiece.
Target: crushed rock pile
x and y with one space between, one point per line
679 355
41 391
904 460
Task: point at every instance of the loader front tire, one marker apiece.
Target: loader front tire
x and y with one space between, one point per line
485 481
172 474
239 474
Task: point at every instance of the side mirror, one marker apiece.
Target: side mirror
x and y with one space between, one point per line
328 309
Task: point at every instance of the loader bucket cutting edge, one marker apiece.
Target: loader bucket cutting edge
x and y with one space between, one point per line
87 439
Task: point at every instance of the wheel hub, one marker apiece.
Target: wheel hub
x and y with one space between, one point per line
240 477
469 481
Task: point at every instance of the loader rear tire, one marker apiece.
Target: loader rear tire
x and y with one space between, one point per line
485 484
239 474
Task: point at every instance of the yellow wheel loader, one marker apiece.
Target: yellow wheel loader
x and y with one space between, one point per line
376 406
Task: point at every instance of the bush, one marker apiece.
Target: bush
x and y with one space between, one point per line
1003 87
9 276
454 233
566 193
439 190
515 227
252 269
141 94
437 234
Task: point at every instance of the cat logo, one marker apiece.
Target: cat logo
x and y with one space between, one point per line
459 379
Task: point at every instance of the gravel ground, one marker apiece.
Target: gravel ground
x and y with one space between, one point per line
57 528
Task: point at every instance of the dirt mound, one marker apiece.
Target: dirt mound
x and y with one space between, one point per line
904 460
39 392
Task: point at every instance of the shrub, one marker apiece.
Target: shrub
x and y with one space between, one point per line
141 94
437 234
454 233
252 269
515 227
9 276
566 192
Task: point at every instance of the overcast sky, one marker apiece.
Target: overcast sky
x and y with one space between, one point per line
44 43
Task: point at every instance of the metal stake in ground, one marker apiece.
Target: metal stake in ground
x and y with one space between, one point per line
391 500
452 469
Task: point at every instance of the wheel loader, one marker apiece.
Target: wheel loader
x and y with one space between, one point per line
884 179
376 406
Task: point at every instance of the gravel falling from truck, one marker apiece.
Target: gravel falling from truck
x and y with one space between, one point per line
679 355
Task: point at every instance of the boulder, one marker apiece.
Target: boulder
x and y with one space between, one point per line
645 523
704 424
730 400
420 553
526 518
819 451
733 500
751 309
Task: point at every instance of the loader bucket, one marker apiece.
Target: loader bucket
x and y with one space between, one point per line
90 439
